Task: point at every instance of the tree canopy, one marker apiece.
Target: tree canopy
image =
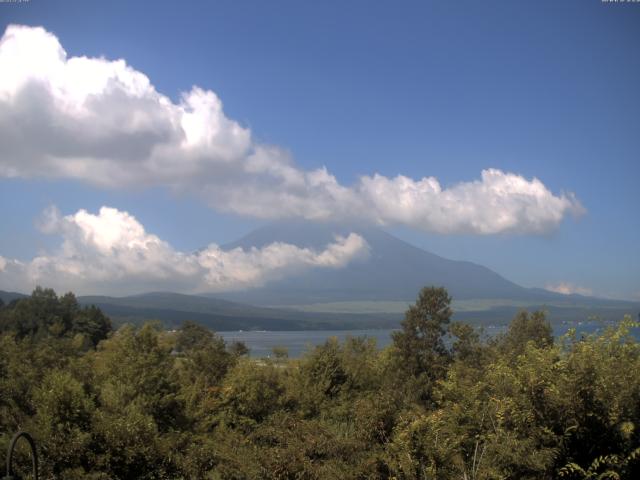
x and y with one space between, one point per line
44 314
441 402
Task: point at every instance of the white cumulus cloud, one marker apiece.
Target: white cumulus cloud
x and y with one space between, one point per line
567 288
101 121
111 252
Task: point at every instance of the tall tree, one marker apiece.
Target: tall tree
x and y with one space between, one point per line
419 348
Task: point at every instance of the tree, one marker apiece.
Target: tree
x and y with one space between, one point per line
323 369
250 394
44 314
238 349
134 366
203 363
281 353
63 422
91 322
526 327
192 335
467 347
419 348
139 409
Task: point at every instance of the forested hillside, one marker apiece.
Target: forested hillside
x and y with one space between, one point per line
145 403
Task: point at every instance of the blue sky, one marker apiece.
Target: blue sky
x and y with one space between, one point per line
444 89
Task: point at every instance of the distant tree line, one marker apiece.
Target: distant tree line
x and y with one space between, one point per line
441 402
44 315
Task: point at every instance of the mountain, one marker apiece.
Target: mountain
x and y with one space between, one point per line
367 293
177 302
394 271
393 274
8 297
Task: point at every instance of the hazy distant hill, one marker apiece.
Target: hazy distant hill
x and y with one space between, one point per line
173 309
7 297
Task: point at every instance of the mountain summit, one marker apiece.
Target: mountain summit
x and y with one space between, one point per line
394 270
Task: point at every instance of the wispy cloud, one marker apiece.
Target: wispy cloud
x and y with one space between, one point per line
103 122
567 288
111 252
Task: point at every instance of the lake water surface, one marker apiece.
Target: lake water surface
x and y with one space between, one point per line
261 343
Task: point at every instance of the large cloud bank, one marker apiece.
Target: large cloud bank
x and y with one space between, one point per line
111 252
103 122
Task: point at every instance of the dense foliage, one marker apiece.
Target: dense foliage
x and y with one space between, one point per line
440 403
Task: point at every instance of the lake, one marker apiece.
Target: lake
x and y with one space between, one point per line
261 343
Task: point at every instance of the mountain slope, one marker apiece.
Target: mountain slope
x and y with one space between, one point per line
395 270
8 297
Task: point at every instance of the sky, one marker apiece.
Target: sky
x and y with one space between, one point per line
137 137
